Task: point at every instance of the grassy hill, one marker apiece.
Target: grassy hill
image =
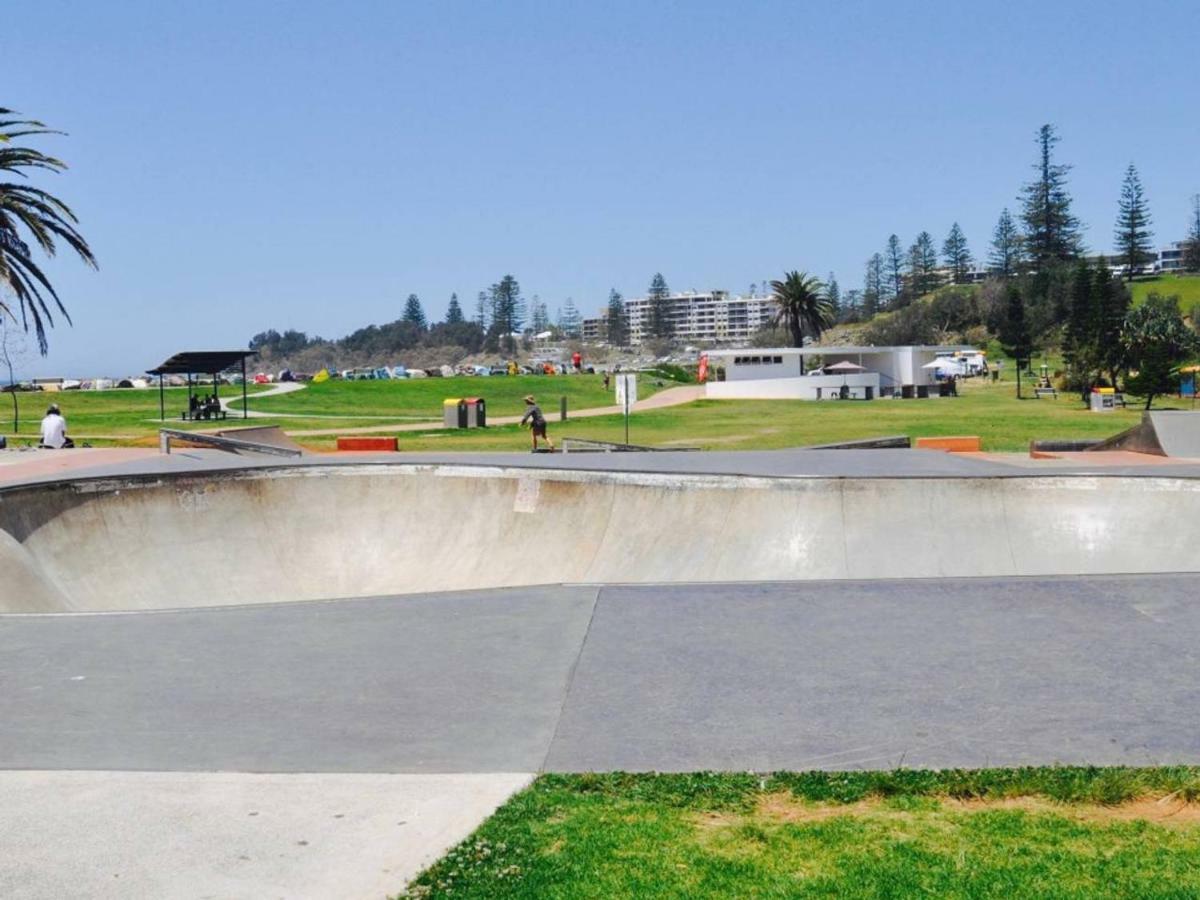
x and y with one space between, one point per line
1187 287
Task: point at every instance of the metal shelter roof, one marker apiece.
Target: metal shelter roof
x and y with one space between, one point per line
201 361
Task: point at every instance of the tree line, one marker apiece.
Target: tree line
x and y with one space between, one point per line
1044 236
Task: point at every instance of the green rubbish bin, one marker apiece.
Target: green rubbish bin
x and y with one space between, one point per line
454 412
476 412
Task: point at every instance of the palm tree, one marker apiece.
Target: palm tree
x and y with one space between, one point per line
801 305
28 213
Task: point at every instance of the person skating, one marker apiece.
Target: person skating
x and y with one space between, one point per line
537 423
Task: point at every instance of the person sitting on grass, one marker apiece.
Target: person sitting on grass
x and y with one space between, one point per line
537 422
54 430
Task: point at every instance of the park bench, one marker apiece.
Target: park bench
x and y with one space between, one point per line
202 415
1037 392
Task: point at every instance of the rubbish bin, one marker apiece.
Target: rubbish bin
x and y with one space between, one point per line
922 392
476 412
454 412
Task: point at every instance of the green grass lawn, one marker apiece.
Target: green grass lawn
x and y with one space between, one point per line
123 417
422 397
988 410
1187 287
1045 833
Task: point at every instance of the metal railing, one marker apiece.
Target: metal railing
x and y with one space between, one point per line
166 435
586 445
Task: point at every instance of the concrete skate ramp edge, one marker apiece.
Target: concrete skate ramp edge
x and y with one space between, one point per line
275 535
1174 433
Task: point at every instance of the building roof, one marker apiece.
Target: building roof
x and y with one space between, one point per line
832 351
201 361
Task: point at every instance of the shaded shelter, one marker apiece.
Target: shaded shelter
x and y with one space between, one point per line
201 362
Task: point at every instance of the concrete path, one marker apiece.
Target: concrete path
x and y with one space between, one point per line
233 405
180 836
675 396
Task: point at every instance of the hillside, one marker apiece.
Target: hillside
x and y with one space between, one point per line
1187 287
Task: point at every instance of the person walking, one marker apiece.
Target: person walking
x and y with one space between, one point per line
537 423
607 380
54 430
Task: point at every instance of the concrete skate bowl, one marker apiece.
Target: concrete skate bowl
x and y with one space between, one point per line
335 531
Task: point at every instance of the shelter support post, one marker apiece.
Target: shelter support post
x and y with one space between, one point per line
245 408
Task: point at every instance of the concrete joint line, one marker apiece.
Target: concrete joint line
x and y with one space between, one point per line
571 679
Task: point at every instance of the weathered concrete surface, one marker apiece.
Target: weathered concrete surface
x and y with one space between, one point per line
947 672
447 683
162 836
318 531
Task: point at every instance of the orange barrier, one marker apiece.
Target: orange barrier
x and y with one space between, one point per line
367 443
949 444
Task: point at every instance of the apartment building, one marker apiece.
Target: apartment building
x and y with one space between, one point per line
702 317
1170 258
593 331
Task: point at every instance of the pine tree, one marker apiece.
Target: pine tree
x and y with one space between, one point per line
1191 247
569 320
617 320
892 289
414 313
454 313
1133 233
922 265
1080 338
1051 231
539 318
1014 330
482 305
873 287
1005 258
660 307
956 255
852 305
1111 303
833 294
507 310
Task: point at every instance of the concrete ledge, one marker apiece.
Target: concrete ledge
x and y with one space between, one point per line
960 444
367 444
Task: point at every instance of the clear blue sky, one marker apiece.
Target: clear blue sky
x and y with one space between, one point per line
245 165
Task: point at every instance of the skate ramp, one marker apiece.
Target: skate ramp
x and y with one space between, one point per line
321 532
270 435
1174 433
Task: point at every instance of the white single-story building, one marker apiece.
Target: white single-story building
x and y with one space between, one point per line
830 373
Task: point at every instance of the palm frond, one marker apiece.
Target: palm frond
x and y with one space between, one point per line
45 220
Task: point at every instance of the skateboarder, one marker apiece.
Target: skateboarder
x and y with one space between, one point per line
537 423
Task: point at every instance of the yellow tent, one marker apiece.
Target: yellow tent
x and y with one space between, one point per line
323 375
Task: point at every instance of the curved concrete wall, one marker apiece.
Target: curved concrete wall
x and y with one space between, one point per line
327 532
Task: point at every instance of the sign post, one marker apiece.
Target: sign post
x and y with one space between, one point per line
626 396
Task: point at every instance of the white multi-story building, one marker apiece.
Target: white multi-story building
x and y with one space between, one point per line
1170 258
702 317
